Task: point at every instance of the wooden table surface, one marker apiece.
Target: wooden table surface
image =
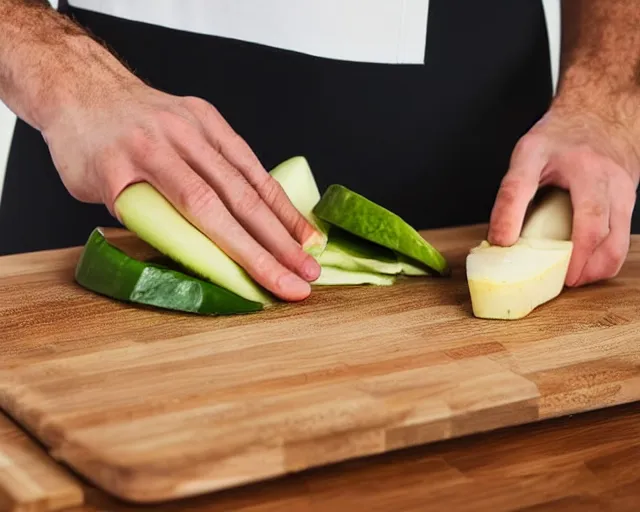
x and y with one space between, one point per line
587 462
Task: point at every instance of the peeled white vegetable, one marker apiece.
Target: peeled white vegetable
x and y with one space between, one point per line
509 282
296 179
333 276
551 219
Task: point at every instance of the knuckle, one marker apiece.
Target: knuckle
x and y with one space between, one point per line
174 123
270 190
193 102
616 255
232 136
301 228
249 201
263 266
142 142
530 143
197 198
590 237
198 106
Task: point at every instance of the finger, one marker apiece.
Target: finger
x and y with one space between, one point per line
591 211
201 206
516 191
116 172
233 147
609 256
244 202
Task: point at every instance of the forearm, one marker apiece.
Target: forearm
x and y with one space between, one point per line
600 75
600 57
47 62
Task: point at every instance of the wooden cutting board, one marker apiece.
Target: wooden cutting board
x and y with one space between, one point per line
153 405
29 480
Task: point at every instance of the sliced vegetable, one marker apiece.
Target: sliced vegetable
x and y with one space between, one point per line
411 267
296 179
510 282
332 276
364 218
349 252
107 270
147 213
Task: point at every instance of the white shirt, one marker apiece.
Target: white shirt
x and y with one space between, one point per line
378 31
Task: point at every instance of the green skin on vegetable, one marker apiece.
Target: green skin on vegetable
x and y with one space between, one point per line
105 269
349 252
364 218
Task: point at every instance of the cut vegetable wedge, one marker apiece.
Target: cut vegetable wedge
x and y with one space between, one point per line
147 213
296 179
332 276
411 267
349 252
364 218
508 283
105 269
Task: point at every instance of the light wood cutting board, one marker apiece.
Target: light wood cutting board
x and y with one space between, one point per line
29 480
153 405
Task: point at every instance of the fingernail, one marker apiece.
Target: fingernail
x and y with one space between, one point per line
311 269
293 285
315 239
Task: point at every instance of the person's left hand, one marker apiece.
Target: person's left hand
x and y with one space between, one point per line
594 157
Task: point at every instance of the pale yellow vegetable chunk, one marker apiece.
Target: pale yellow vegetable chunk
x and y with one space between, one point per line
508 283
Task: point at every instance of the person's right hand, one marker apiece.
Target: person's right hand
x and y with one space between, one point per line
127 132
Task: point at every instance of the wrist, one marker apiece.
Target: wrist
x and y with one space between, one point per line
90 76
608 107
49 66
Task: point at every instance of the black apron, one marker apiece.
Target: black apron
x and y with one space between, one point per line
430 142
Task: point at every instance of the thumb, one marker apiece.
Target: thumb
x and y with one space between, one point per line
517 189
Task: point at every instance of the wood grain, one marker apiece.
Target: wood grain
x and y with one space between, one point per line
152 405
582 463
29 480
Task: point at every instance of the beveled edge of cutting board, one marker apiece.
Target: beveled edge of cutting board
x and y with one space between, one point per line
29 479
382 432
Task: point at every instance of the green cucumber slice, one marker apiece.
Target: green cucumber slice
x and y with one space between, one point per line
332 276
105 269
147 213
349 252
296 179
364 218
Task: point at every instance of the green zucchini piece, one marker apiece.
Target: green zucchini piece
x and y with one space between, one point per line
147 213
364 218
105 269
333 276
296 179
349 252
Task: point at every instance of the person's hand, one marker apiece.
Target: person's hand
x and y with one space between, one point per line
128 132
595 158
